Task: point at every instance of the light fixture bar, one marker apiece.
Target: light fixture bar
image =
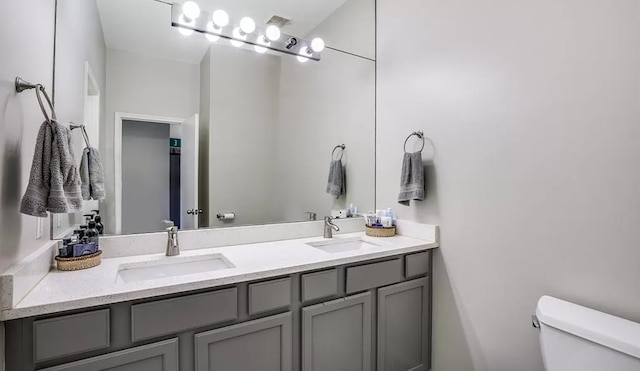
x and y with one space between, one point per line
287 44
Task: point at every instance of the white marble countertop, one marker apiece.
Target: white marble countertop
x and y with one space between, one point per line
61 291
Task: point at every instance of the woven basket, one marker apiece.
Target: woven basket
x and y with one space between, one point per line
76 264
380 231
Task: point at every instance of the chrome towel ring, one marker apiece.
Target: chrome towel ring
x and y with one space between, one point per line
420 135
22 85
341 147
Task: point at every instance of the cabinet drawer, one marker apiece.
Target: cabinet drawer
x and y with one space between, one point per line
170 316
365 277
269 295
417 264
319 284
157 356
67 335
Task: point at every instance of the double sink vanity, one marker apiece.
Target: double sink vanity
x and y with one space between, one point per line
272 297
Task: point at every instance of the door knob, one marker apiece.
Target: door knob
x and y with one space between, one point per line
195 211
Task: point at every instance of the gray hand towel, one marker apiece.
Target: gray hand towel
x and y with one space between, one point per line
412 179
54 182
34 201
337 183
92 175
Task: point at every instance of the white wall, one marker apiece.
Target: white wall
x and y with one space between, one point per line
350 28
533 110
143 85
244 89
79 40
31 57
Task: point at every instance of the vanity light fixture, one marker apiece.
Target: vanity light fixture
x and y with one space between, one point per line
188 17
272 33
220 18
247 25
190 11
304 55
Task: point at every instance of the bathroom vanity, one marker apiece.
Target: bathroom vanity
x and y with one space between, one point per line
347 303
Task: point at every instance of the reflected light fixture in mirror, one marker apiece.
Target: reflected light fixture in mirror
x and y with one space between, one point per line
186 18
262 40
211 27
238 35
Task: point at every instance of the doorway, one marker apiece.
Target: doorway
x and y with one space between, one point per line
148 188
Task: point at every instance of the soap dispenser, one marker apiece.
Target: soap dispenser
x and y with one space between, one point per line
92 234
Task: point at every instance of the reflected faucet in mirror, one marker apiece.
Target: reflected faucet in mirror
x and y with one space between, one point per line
173 248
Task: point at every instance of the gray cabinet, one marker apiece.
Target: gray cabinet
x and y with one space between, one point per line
264 344
162 356
403 326
336 335
384 325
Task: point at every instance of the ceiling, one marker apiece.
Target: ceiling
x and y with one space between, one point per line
144 26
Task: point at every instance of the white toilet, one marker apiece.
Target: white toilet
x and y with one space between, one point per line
575 338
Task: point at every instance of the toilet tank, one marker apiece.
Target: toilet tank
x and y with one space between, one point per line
576 338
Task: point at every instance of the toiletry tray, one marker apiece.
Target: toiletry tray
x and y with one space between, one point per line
81 262
380 231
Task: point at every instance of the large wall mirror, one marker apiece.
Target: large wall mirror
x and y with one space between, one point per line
189 129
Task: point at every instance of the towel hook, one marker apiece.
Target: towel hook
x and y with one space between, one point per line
82 128
22 85
340 146
420 135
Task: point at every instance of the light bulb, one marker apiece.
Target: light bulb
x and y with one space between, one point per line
261 40
191 10
185 31
317 45
212 28
220 18
303 55
247 25
237 34
273 32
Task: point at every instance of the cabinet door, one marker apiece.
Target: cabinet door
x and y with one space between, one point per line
403 326
336 335
263 344
162 356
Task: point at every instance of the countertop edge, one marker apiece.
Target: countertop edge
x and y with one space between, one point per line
85 303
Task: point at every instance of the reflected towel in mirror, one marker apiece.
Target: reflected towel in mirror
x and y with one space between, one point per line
92 175
337 183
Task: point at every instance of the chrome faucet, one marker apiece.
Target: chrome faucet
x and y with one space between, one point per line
173 248
329 227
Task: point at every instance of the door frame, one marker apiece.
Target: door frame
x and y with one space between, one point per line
117 149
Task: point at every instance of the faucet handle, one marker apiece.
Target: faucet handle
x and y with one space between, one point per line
171 227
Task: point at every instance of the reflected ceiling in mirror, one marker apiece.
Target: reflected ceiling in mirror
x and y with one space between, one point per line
190 129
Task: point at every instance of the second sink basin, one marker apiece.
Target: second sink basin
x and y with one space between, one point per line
337 245
172 266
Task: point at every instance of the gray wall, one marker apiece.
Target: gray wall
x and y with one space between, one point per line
533 110
145 176
29 56
149 86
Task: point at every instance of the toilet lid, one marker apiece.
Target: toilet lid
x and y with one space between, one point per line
604 329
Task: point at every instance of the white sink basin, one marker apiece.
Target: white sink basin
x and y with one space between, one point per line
337 245
171 267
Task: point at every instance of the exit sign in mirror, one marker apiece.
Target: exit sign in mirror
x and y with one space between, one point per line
175 142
